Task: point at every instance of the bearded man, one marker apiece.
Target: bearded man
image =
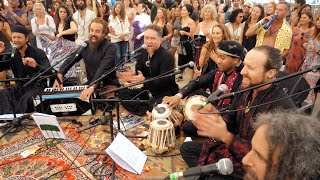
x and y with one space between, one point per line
232 131
82 17
98 58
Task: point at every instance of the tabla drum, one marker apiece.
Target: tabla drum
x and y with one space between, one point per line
163 111
193 100
161 136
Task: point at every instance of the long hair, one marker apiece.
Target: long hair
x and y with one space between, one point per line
261 15
211 45
274 5
57 18
173 16
309 14
164 18
77 6
295 139
316 32
72 5
234 14
122 10
130 3
53 4
212 9
39 5
302 7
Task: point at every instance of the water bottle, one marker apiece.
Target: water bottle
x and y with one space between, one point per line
268 24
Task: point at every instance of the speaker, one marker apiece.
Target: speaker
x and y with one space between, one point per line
294 85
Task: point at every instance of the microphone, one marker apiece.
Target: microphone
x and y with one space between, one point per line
139 49
151 99
224 167
214 96
14 49
268 24
195 39
189 64
80 49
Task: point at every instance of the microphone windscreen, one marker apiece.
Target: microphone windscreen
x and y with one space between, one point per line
225 166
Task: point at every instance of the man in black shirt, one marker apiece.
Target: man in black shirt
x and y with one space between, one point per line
27 61
98 57
153 61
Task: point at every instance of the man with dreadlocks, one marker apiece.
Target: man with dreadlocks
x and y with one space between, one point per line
284 146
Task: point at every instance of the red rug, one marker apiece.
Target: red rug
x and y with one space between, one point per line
52 160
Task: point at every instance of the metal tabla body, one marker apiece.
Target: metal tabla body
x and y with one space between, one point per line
163 111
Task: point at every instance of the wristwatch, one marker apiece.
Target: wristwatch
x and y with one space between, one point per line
179 95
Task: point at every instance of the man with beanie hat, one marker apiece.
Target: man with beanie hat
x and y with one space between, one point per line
229 134
229 64
25 61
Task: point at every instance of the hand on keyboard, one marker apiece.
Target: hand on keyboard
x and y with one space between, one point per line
57 85
85 94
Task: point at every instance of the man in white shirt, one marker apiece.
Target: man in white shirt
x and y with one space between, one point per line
83 18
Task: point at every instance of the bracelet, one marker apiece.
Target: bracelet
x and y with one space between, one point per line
259 23
14 15
179 95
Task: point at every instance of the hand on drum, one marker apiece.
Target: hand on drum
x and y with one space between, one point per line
210 125
125 76
172 101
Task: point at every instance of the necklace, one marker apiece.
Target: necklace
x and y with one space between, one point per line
82 20
148 62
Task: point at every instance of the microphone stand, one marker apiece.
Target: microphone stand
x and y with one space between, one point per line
17 122
317 67
142 82
117 110
103 120
120 64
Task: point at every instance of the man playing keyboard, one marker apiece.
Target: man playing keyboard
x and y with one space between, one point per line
98 58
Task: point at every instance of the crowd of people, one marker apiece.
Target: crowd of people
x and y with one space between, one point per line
231 43
295 31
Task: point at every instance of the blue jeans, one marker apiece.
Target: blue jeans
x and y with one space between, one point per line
122 51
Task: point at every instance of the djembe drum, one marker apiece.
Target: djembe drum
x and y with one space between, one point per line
191 101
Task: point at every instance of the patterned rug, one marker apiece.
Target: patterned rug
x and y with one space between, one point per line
53 159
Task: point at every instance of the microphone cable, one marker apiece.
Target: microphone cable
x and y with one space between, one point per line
42 150
263 104
65 171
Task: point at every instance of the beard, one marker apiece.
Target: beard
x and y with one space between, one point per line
250 175
80 6
93 46
245 84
